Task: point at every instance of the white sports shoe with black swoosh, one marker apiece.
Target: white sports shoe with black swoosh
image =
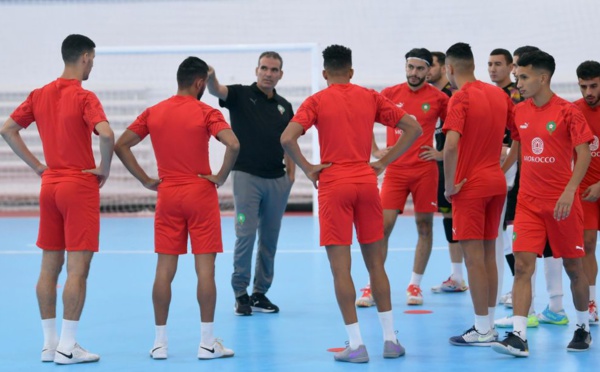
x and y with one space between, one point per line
159 352
216 350
75 355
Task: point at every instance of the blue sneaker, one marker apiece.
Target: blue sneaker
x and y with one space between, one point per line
550 317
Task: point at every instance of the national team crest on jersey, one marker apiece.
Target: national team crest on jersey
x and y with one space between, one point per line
281 109
551 127
595 144
425 107
537 145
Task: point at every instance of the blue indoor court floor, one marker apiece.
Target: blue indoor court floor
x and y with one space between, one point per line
118 321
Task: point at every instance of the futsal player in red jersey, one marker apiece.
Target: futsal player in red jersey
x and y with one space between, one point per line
412 173
549 130
66 115
344 115
588 74
478 114
180 128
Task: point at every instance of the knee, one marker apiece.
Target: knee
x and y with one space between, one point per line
424 227
589 245
524 268
573 268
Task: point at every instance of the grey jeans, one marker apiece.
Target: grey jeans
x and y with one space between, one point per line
259 206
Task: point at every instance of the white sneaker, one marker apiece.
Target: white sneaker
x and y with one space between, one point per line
505 297
217 350
76 355
48 353
366 300
159 352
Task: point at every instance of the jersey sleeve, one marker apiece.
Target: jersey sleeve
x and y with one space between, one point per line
233 92
514 133
23 115
307 113
215 122
457 113
93 113
578 127
140 125
388 113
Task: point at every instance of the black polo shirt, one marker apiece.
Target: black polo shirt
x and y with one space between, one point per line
258 123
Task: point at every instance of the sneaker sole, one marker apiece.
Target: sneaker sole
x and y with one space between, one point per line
544 321
360 303
241 314
507 350
216 357
261 310
580 350
356 360
479 344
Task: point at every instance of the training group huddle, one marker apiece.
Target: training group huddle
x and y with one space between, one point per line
459 146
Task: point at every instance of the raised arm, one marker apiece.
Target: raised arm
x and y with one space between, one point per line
123 150
232 149
10 133
213 85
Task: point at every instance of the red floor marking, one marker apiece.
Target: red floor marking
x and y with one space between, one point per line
418 312
336 349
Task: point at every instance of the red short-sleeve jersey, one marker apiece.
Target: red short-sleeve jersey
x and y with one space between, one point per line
344 115
592 116
180 128
66 115
427 105
548 135
480 113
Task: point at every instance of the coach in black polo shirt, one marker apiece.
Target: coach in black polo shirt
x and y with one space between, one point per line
261 185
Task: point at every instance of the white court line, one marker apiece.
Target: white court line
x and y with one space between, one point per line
282 251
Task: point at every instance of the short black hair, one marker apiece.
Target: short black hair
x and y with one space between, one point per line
189 70
441 57
420 53
588 70
538 60
460 51
271 54
503 52
337 58
74 46
524 49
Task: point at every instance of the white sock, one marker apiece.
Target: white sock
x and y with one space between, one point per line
482 324
583 319
491 316
592 293
161 335
207 337
386 319
415 279
553 268
354 337
457 272
67 335
520 326
50 334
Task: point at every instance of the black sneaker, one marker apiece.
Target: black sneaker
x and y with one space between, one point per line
261 303
511 345
582 340
242 305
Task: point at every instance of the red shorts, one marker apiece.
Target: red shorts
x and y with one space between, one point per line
340 205
69 216
187 209
534 224
591 215
421 182
478 218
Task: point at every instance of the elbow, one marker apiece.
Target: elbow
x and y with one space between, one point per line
234 146
285 140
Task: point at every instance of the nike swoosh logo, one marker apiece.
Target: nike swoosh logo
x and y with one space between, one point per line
70 356
156 348
209 350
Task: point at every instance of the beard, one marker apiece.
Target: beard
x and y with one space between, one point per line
420 81
200 93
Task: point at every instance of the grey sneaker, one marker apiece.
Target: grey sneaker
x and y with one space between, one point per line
393 349
473 338
358 355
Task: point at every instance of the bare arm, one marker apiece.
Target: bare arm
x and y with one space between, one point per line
513 156
564 203
375 151
411 130
107 144
123 150
214 88
290 167
289 141
232 149
10 133
450 160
